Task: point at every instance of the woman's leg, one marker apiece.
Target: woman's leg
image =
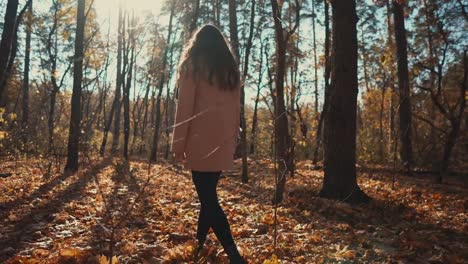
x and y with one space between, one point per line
201 187
213 214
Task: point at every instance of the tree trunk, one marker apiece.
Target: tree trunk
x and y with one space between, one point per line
314 44
196 13
169 106
364 59
119 82
107 127
340 116
257 99
381 129
75 119
318 136
6 44
455 121
128 84
50 121
403 86
235 44
429 17
27 59
156 136
281 118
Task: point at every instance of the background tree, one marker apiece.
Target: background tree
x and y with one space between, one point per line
406 150
340 116
282 139
75 119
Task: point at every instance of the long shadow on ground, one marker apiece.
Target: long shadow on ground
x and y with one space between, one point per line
23 230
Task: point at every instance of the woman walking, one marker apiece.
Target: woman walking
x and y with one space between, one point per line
207 125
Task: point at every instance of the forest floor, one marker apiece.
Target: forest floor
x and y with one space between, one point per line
141 217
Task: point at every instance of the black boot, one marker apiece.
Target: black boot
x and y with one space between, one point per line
234 256
198 249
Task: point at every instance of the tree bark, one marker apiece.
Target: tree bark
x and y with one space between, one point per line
196 13
318 136
119 82
454 116
257 100
156 136
406 150
314 45
281 118
235 44
6 44
340 116
128 84
75 119
27 59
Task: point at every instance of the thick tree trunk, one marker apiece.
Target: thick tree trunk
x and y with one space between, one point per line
406 150
392 134
75 119
340 116
6 44
196 14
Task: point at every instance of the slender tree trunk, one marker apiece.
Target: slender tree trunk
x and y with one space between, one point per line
314 43
281 118
381 129
364 59
107 127
235 43
27 56
406 151
327 71
128 84
75 119
156 136
257 99
169 105
429 16
50 121
340 117
455 117
145 114
119 82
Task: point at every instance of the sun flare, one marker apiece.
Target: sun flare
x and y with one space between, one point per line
140 6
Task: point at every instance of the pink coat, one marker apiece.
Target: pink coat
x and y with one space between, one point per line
206 124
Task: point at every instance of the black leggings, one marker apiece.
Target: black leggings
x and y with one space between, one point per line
211 213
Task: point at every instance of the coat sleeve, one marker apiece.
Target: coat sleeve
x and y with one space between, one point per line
184 112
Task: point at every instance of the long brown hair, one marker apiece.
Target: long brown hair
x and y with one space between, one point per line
208 56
